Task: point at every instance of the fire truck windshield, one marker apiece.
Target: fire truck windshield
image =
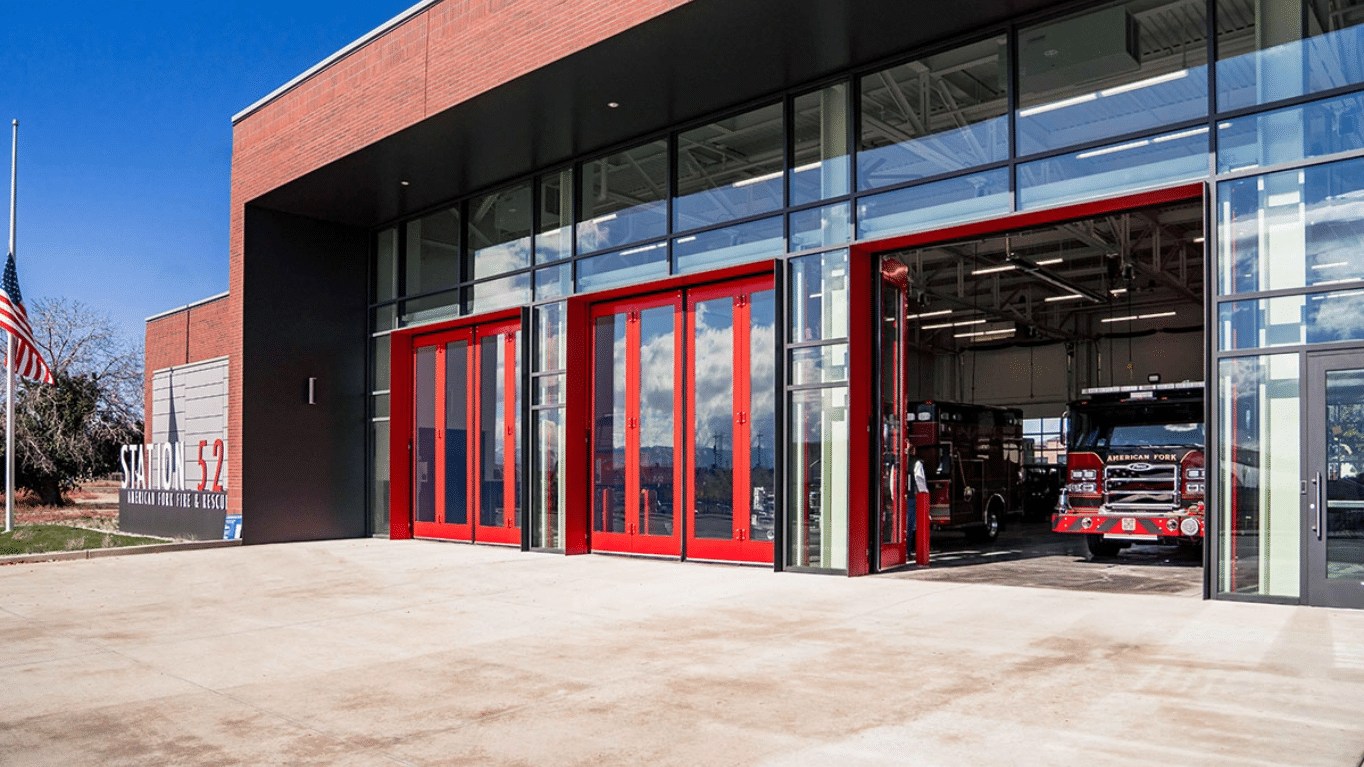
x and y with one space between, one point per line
1155 425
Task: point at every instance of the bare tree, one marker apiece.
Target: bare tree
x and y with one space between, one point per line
71 431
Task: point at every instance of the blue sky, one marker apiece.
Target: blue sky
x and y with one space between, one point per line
125 135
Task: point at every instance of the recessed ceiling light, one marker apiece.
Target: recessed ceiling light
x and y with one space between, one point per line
404 183
613 104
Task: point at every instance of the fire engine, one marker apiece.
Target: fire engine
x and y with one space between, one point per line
1134 466
973 459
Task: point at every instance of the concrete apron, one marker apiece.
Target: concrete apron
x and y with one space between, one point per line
405 652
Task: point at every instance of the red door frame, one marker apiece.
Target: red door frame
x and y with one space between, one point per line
402 412
865 275
896 552
510 529
740 547
633 540
440 342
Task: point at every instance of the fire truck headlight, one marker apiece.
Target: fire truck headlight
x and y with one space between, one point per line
1194 488
1087 487
1194 473
1172 525
1086 523
1189 526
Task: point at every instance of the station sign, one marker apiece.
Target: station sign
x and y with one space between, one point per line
176 490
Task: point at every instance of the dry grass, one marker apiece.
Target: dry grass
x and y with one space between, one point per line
95 506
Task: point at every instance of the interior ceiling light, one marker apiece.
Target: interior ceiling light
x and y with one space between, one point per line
404 183
993 269
938 313
981 333
1118 291
613 104
1199 238
1071 297
1050 262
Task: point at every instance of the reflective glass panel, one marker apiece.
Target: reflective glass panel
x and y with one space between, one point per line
714 418
430 308
424 447
548 390
624 198
1129 166
381 347
1292 134
499 293
821 227
1260 511
817 478
818 297
499 231
608 419
1276 49
550 338
456 433
1343 521
385 318
554 281
1319 318
637 265
762 408
731 245
730 169
378 473
821 168
433 252
934 115
1293 229
656 448
492 352
381 405
819 364
386 265
553 240
934 205
1111 71
548 497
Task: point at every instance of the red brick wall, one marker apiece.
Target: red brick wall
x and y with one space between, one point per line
443 56
200 332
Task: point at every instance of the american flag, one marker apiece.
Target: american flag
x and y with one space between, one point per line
14 320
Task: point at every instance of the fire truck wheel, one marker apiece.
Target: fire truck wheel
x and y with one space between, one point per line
988 532
1102 549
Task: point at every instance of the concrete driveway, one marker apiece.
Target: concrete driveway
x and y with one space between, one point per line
414 653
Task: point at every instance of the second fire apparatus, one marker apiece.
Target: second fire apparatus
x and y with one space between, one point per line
973 458
1134 467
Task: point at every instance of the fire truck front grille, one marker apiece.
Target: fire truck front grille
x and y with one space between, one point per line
1140 487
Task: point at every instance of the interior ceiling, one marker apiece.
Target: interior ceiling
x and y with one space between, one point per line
702 58
1145 263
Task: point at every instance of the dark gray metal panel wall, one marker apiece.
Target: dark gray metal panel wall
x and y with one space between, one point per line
304 287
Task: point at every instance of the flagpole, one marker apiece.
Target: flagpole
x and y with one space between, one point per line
9 346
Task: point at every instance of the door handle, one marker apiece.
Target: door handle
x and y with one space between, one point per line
1316 528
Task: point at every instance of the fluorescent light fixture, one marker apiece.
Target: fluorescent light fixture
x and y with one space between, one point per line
641 249
1128 318
685 240
980 333
1062 104
1199 238
1050 261
1338 282
938 313
1331 265
1180 135
1157 314
1112 149
1148 82
758 179
942 325
1071 297
993 269
1118 291
1284 198
808 166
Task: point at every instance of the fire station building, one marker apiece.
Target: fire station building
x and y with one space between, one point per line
668 277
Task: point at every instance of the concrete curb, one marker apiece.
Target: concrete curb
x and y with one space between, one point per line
118 551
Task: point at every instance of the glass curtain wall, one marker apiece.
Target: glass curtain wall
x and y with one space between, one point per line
548 430
817 427
1110 99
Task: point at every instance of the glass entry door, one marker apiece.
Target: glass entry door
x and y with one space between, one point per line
636 413
1335 488
466 447
731 429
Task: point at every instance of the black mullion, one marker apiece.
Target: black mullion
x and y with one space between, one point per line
525 414
1210 372
1099 143
673 159
1011 100
779 514
1292 101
